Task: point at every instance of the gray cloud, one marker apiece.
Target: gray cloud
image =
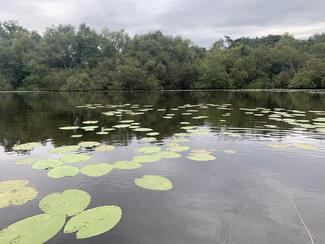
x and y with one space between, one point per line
202 21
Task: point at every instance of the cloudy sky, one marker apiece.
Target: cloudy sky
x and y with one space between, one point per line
203 21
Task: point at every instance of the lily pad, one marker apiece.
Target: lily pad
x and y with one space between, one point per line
64 149
174 147
69 128
200 155
149 150
142 129
148 139
76 136
95 170
306 146
152 134
47 164
126 165
95 221
33 230
89 144
154 182
62 171
105 148
168 154
26 146
74 158
15 192
121 126
90 122
68 203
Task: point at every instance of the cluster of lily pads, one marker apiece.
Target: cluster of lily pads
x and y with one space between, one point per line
70 206
57 208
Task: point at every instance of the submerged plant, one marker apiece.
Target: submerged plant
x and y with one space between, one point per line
200 155
74 158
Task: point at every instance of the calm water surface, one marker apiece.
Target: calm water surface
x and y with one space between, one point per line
277 143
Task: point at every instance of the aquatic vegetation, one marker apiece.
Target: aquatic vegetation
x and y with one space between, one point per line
96 170
33 230
121 126
89 127
104 148
47 164
174 147
64 149
76 136
229 151
27 160
95 221
68 203
305 146
142 129
102 133
26 146
281 146
167 154
89 144
15 192
126 121
74 158
152 134
63 171
90 122
126 165
148 139
150 150
200 155
69 128
154 182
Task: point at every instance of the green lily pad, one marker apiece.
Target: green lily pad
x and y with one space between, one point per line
62 171
47 164
168 154
121 126
64 149
146 159
126 121
306 146
154 182
33 230
26 146
148 139
105 148
95 170
142 129
174 147
229 151
15 192
89 127
95 221
149 150
74 158
200 155
279 146
89 144
152 134
126 165
68 203
90 122
27 160
102 133
76 136
69 128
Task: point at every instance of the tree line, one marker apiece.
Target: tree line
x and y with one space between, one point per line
69 58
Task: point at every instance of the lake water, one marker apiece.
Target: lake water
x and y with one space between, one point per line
265 182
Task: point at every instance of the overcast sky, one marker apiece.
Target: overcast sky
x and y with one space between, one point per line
203 21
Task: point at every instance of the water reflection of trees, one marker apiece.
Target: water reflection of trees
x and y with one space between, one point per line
26 117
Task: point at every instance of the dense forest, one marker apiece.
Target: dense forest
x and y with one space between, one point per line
69 58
